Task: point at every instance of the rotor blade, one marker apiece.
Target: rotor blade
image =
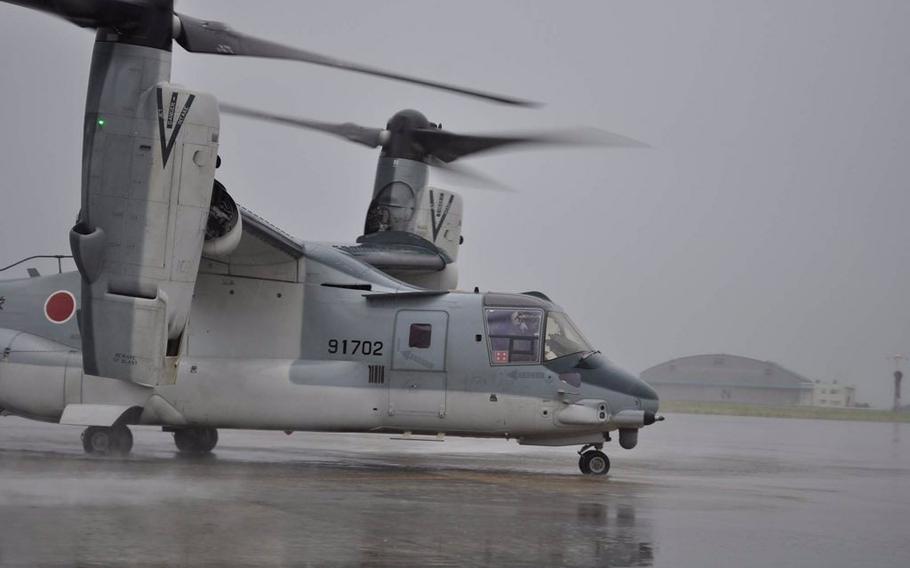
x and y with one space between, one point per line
463 175
370 137
202 36
449 146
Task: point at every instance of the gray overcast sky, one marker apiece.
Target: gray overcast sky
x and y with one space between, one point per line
768 220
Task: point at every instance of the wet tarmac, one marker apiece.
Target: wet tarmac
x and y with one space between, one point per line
698 491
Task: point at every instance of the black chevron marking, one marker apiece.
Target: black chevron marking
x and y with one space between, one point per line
168 145
436 211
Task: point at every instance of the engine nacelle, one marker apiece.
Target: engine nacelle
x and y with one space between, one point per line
431 213
224 226
149 156
402 201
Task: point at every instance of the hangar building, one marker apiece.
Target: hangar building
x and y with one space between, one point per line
728 378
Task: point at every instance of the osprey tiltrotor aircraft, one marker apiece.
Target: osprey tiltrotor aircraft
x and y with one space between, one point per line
191 313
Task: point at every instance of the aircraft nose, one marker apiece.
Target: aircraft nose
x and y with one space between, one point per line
650 402
599 372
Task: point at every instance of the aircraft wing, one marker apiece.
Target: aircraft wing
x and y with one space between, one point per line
264 251
397 257
400 254
267 251
270 234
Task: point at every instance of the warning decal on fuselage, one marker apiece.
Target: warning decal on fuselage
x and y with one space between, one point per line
168 145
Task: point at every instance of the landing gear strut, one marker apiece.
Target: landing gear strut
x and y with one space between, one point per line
107 440
592 461
195 441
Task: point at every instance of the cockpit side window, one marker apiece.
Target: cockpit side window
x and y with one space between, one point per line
563 338
514 335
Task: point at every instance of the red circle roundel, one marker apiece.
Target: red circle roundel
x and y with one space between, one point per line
60 306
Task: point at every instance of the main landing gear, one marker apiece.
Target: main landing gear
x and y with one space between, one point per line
592 461
107 440
118 440
195 441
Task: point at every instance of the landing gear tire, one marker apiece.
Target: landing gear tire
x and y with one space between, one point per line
583 464
104 440
195 441
594 462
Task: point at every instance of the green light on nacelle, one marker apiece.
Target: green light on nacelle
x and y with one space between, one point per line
100 122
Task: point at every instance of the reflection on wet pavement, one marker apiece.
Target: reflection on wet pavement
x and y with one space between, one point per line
697 491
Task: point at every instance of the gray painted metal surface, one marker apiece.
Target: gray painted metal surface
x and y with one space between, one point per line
148 170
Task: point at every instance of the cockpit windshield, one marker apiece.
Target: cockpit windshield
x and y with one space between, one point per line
562 337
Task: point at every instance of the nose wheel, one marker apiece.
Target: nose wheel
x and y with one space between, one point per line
593 462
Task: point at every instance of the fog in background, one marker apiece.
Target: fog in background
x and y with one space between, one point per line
768 220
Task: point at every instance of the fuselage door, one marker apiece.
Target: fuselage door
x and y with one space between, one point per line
418 378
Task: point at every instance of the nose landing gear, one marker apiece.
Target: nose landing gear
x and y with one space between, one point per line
107 440
592 461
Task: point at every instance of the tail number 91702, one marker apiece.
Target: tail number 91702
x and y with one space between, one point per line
355 347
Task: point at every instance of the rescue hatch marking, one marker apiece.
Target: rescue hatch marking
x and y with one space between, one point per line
411 356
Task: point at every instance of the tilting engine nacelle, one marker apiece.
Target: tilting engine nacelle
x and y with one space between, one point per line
225 224
149 157
402 201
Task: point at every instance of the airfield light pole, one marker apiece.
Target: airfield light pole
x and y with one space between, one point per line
898 375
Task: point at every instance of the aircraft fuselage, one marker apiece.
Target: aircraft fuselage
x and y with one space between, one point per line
331 345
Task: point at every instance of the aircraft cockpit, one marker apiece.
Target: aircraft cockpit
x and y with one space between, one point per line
523 335
563 338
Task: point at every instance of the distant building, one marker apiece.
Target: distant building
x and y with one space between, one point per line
834 395
732 378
